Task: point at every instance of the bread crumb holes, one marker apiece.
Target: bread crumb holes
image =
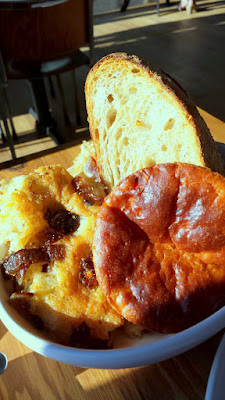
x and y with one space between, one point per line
110 117
123 101
118 134
97 134
110 98
132 90
125 141
169 125
135 70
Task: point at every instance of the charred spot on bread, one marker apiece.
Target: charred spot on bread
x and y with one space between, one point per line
159 246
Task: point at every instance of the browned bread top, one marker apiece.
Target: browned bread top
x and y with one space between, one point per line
139 117
159 246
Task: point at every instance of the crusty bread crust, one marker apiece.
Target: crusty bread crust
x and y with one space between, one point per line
184 137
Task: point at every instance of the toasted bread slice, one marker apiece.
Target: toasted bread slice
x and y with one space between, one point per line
138 117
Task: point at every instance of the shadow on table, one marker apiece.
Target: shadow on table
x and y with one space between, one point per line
40 378
3 330
181 378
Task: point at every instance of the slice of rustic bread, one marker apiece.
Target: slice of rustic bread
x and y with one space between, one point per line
138 117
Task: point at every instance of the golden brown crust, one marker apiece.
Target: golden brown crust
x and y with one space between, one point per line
159 246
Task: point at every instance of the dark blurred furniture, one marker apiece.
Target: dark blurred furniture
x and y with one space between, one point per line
5 114
126 4
38 39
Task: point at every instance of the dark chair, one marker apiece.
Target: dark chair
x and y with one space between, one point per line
5 114
126 4
38 39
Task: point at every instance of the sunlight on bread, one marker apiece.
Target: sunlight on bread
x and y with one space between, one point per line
138 118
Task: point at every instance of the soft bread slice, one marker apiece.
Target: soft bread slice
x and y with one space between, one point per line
138 118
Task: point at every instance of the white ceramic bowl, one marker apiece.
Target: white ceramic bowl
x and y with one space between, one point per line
216 383
148 349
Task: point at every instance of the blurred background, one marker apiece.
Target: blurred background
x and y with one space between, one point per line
46 55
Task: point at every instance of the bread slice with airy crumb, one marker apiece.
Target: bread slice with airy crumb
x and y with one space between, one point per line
138 117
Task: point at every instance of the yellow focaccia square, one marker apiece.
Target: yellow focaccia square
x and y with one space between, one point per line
63 292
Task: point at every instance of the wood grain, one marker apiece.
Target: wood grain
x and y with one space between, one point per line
64 157
31 376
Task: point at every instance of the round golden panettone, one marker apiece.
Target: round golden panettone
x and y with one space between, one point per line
159 246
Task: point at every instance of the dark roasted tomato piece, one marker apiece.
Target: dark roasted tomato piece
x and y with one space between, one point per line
87 273
45 267
91 190
81 337
62 221
22 259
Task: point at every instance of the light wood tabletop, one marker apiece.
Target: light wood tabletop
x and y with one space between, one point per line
32 376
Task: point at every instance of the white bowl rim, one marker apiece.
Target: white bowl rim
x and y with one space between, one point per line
129 357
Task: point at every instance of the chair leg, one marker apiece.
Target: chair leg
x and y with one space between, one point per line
157 7
125 5
9 114
45 122
4 140
4 116
76 101
40 97
65 113
9 138
51 87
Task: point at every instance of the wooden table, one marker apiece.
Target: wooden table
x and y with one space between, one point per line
30 376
